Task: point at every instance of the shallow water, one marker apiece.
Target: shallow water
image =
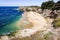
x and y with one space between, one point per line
8 18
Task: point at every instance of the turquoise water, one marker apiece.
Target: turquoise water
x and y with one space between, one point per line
8 18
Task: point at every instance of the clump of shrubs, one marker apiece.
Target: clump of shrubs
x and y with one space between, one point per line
51 5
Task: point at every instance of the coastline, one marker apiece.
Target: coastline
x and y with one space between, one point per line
11 26
36 24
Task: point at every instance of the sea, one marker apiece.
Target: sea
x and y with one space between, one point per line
8 17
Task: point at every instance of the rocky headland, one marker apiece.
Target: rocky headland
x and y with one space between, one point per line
37 25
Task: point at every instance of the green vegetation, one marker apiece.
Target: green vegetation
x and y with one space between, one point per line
51 5
35 6
57 22
46 36
47 5
57 5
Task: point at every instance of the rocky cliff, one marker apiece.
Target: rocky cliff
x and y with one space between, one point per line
36 26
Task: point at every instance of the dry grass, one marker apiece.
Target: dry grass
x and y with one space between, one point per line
37 36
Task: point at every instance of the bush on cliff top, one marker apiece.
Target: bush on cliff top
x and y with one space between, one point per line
47 5
51 5
57 23
57 5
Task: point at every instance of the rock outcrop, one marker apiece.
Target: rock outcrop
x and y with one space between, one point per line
32 33
35 26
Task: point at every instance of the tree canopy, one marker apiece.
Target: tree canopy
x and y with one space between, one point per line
51 5
57 5
47 5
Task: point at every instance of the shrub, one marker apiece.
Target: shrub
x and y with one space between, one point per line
57 23
57 5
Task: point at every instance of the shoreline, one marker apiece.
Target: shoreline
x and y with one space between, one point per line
34 28
39 23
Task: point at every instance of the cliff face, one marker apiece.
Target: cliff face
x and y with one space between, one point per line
41 28
35 26
38 22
